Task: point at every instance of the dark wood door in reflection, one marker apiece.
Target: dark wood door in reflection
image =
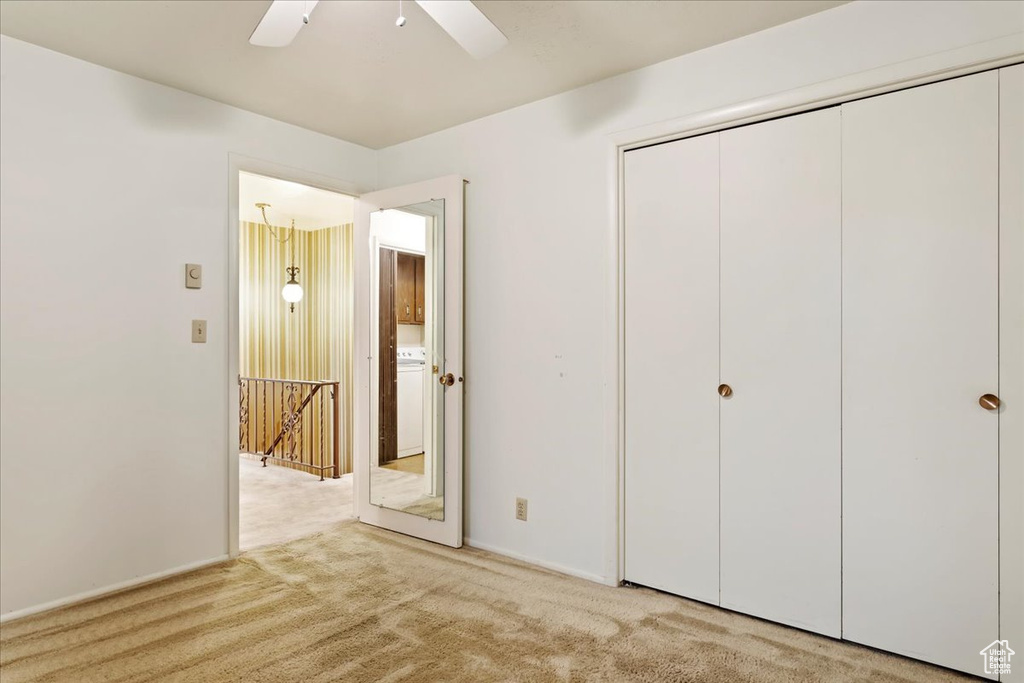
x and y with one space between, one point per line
388 381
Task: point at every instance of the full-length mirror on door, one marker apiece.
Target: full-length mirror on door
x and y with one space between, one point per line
408 459
407 465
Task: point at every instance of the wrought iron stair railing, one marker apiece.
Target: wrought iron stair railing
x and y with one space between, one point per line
295 423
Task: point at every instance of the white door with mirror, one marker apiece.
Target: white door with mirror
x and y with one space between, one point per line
408 436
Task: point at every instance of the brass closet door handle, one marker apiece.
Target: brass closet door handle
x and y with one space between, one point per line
447 380
724 390
990 402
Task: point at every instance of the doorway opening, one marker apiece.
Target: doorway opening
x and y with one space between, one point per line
295 350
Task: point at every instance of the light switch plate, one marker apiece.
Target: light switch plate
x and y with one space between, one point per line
198 331
193 276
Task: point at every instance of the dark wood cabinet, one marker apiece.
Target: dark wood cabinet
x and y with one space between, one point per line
405 288
409 289
420 311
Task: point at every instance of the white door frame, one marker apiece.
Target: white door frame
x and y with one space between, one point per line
238 163
941 66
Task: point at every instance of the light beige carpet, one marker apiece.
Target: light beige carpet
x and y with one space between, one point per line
360 604
278 504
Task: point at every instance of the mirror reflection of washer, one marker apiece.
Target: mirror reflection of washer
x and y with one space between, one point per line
412 361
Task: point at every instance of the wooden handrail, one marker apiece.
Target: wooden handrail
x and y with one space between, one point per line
308 419
322 382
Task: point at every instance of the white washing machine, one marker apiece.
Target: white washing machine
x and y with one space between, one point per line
411 368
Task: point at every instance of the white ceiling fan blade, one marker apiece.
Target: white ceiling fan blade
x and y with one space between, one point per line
467 25
281 23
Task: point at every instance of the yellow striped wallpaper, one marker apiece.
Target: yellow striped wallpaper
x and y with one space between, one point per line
315 342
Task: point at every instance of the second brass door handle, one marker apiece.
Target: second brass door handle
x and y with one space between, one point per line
724 390
447 380
990 402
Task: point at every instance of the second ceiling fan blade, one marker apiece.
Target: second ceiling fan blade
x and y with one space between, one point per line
467 25
282 22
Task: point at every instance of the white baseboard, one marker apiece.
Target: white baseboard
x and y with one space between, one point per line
596 578
143 580
109 590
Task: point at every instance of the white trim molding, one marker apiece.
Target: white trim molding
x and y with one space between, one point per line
552 566
938 67
111 590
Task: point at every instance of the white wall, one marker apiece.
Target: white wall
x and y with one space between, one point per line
113 451
410 335
400 230
540 263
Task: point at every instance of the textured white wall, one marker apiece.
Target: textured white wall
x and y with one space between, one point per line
540 268
112 424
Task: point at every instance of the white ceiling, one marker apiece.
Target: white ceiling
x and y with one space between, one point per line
351 73
311 207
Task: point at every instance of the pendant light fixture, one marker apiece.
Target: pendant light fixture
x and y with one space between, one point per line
292 290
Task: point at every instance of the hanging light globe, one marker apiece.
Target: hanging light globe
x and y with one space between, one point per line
292 291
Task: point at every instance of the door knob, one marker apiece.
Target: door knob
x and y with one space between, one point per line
724 390
990 402
447 380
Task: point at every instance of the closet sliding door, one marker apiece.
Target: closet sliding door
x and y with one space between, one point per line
780 355
920 347
670 341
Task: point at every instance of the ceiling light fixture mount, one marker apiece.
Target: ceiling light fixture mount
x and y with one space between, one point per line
282 22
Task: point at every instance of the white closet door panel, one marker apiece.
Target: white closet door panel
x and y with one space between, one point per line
920 344
1011 361
780 430
671 367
